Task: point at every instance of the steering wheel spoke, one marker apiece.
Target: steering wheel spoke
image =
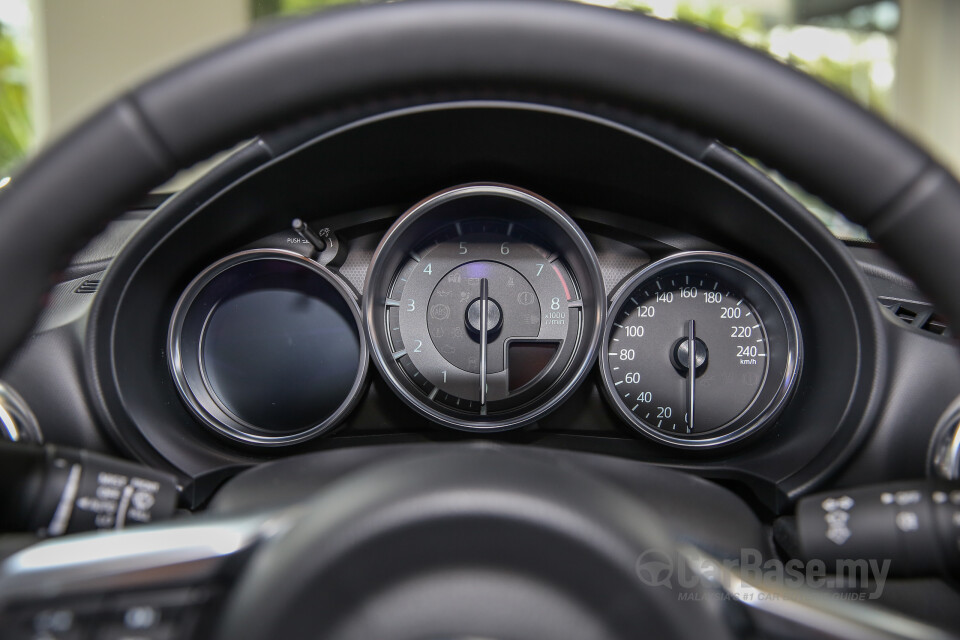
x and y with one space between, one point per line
160 581
781 610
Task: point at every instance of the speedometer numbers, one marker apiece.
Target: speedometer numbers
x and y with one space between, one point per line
700 349
483 307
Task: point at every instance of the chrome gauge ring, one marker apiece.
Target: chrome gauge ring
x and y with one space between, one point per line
484 307
700 349
266 347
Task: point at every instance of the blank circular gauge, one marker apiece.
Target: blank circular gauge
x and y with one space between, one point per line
266 347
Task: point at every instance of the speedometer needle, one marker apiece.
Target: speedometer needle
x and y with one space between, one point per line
484 301
691 372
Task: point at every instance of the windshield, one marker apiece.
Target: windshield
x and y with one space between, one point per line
60 60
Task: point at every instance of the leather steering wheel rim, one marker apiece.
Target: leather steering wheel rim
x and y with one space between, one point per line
327 62
831 146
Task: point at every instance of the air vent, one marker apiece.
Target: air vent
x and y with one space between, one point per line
918 314
88 286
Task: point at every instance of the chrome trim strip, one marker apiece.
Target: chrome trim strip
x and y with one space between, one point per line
17 421
61 516
124 506
943 457
187 552
9 425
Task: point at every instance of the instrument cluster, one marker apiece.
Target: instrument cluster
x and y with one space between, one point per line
483 309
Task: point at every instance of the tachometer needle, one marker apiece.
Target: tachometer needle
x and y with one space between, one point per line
484 300
691 371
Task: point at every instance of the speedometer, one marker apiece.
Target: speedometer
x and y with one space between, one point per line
700 349
484 307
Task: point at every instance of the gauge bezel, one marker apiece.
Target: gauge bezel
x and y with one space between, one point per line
201 400
394 247
791 358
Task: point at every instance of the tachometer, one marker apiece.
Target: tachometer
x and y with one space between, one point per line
484 307
700 349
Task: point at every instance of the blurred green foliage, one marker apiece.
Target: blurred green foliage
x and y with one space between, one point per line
265 8
749 27
15 129
850 77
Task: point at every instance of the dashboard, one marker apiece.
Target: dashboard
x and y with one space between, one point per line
648 294
444 342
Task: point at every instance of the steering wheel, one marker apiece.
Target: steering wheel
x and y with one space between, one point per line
458 542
